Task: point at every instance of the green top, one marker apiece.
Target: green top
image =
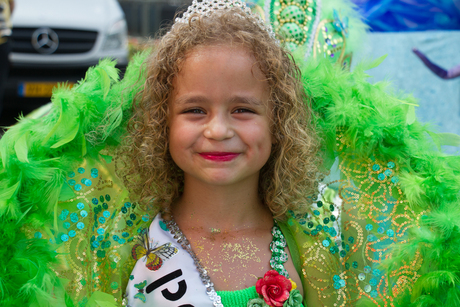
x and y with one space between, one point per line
240 298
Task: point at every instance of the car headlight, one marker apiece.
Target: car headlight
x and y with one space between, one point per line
117 37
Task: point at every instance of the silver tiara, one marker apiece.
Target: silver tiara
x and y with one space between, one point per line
197 10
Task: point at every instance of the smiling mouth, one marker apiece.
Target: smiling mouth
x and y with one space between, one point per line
219 156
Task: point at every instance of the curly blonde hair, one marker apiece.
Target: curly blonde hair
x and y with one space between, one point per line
289 180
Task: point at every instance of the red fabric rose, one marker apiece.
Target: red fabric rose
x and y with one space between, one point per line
274 288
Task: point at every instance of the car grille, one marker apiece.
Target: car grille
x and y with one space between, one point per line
70 41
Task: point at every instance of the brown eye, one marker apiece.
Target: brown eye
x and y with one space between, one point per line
243 110
194 111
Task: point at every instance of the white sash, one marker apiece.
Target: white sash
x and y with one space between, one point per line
176 283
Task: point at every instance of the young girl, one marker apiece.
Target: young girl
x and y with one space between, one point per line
223 143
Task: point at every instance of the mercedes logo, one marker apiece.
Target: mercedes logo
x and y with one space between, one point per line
45 40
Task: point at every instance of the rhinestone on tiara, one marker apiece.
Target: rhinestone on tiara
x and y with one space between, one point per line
202 8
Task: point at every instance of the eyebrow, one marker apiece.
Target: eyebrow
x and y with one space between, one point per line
198 99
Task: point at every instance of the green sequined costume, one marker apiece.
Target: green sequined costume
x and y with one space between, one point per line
67 223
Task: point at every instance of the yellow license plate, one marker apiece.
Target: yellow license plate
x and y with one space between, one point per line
37 89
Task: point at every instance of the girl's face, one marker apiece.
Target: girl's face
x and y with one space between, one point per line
219 124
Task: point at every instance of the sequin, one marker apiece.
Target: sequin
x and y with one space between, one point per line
367 288
102 220
114 285
65 212
374 293
100 238
122 241
381 230
101 198
127 204
94 175
381 176
83 282
62 217
314 232
347 266
72 182
94 170
326 220
391 164
145 218
107 197
101 253
343 253
105 206
342 283
332 232
71 174
80 206
131 277
95 244
38 235
373 282
64 237
80 225
390 233
388 172
316 212
72 233
354 264
376 272
100 231
362 276
74 217
88 182
336 286
310 224
331 207
336 278
351 240
394 179
333 218
81 170
77 187
326 243
319 204
369 227
106 214
367 269
66 225
83 213
375 167
132 216
116 238
371 238
319 227
95 201
124 210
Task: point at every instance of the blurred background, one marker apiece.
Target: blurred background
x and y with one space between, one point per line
56 41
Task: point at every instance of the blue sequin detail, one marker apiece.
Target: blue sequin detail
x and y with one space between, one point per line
369 227
381 230
94 175
390 233
72 233
326 243
66 225
95 201
342 283
381 176
374 293
71 174
391 164
145 218
163 226
375 167
376 272
72 182
336 278
394 179
336 286
116 238
80 225
81 170
100 231
332 231
371 238
106 214
127 204
373 282
125 234
367 269
83 213
38 235
95 244
65 238
88 182
80 206
100 238
62 217
316 212
388 172
122 241
102 220
77 187
74 217
65 212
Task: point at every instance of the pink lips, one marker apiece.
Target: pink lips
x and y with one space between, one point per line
219 156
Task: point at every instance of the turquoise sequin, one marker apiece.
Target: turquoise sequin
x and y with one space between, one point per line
106 214
326 243
80 206
125 234
88 182
391 164
145 218
122 241
71 174
376 272
124 210
74 217
367 269
351 240
83 213
66 225
81 170
100 238
375 167
390 233
127 204
373 282
95 244
102 220
100 231
316 212
336 278
80 225
374 293
371 238
381 230
65 238
72 233
95 201
129 223
394 179
38 235
77 187
381 176
72 182
319 204
369 227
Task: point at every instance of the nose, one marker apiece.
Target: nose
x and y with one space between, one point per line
218 128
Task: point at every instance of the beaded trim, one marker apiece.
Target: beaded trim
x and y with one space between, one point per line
279 257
